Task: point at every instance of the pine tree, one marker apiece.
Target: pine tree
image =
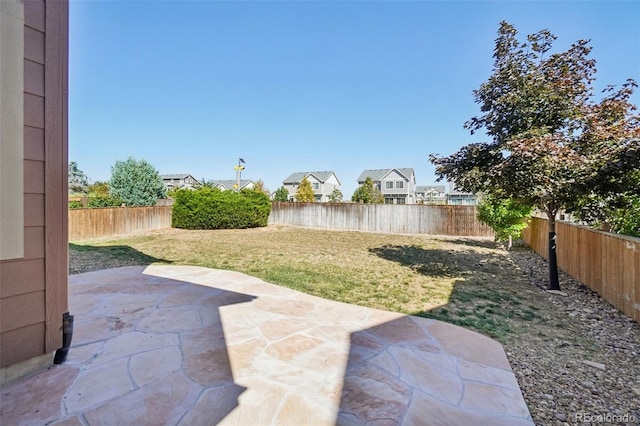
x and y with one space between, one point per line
78 181
281 194
136 183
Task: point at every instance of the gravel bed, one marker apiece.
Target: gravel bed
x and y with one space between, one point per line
587 372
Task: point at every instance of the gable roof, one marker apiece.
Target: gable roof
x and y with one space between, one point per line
426 188
298 176
453 190
177 176
229 184
379 174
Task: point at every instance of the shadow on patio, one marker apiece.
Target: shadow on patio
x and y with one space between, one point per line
189 345
145 350
413 370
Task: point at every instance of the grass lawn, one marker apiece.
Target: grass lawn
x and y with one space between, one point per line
466 281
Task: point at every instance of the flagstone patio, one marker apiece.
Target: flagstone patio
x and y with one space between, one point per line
184 345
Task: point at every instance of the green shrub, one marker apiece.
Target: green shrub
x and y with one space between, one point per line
507 217
210 208
104 201
75 205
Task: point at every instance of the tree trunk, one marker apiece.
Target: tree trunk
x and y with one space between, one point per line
510 243
554 283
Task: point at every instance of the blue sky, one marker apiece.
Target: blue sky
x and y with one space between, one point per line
295 86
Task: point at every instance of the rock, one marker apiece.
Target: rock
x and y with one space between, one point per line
559 382
557 292
594 364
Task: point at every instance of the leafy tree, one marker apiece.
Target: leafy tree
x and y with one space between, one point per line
367 193
619 212
336 196
206 183
259 186
305 193
281 194
552 144
98 189
136 183
99 196
506 217
626 220
78 180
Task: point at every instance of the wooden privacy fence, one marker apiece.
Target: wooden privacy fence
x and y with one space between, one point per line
102 222
384 218
609 264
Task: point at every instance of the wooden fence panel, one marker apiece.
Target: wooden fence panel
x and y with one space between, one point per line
611 266
103 222
607 263
383 218
630 258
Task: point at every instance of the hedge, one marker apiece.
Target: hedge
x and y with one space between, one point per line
211 208
102 201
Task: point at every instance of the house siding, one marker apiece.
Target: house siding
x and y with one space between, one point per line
33 289
291 189
392 178
183 181
324 188
393 195
11 131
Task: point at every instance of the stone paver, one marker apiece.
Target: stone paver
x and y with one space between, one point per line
183 345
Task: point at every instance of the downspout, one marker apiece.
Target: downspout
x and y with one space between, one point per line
67 335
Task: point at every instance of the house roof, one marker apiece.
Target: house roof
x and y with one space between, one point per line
379 174
462 194
298 176
427 188
453 190
176 176
229 184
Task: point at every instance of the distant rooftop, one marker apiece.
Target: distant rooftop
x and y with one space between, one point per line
298 176
378 174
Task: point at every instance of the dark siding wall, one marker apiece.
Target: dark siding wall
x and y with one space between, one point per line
33 290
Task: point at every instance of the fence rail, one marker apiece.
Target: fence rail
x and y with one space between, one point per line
609 264
384 218
103 222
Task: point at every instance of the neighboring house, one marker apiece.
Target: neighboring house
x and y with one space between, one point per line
33 184
322 183
459 198
182 181
431 194
230 185
398 186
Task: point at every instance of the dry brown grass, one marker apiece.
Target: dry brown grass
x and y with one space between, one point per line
471 282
